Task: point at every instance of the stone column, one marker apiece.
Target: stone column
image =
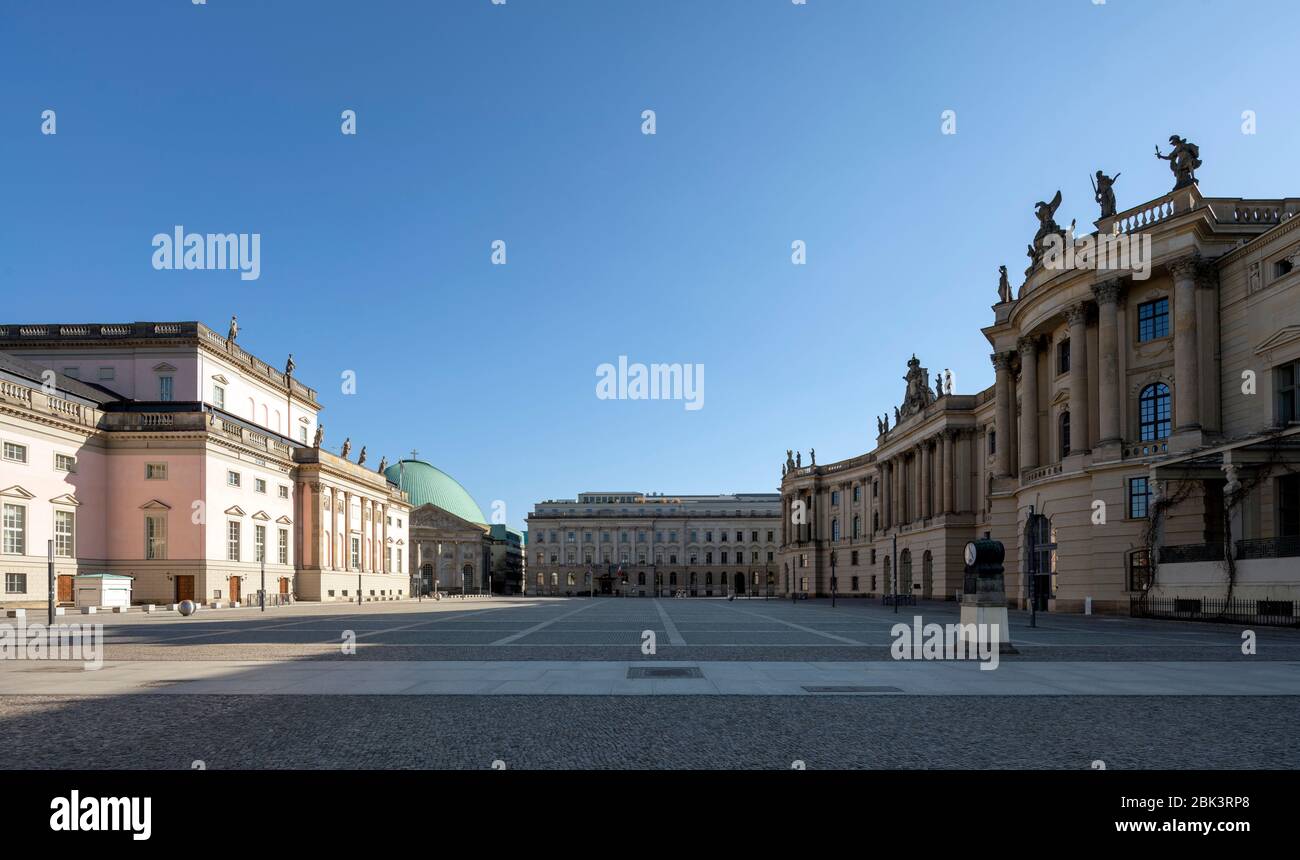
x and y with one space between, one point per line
1080 407
899 465
1005 395
1187 395
347 531
1108 346
886 496
927 475
948 465
1028 347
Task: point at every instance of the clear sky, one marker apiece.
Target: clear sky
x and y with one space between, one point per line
522 122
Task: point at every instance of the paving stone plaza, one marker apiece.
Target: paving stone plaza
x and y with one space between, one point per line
645 683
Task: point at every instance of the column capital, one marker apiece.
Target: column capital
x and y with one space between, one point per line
1027 345
1185 267
1002 360
1108 292
1077 314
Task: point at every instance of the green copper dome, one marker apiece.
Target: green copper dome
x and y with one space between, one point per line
426 485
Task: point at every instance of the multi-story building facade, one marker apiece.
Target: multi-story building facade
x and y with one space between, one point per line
646 544
166 452
505 559
1140 436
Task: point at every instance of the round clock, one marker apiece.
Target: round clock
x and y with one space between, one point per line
970 552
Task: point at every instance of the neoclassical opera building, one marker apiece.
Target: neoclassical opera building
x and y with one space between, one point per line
1142 435
167 453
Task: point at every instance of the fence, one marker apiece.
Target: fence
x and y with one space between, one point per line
1271 613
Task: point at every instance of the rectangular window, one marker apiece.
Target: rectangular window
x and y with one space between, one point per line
218 396
284 491
65 463
1139 495
165 388
233 479
284 546
15 453
302 433
15 529
65 534
1287 384
1063 357
259 486
1288 506
15 583
72 372
1153 320
155 536
155 471
233 535
259 543
356 553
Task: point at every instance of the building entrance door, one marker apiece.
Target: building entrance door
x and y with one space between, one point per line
184 588
606 584
65 589
234 589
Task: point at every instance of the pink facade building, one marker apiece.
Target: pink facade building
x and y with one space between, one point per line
166 452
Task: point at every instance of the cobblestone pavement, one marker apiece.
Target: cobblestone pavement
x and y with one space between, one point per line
611 628
230 732
612 731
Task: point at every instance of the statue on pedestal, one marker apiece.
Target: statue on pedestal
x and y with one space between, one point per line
383 465
1183 160
361 460
347 448
1104 191
1004 285
233 331
320 435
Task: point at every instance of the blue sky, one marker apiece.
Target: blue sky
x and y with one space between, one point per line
522 122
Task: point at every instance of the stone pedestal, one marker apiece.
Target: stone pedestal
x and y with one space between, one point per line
988 607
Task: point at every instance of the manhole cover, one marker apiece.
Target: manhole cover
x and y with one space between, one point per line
848 688
660 672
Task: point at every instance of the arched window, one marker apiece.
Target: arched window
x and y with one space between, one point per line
1153 412
1064 433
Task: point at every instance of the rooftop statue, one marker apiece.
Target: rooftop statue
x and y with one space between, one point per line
383 465
289 366
233 331
918 395
361 460
1183 160
1004 284
1103 189
320 435
1046 215
347 448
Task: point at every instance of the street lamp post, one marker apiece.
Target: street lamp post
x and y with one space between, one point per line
261 596
894 570
833 583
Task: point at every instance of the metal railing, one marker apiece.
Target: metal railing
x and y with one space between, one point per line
1192 552
1274 547
1274 613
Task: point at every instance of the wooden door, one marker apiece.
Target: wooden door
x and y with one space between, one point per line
184 588
65 589
234 589
284 585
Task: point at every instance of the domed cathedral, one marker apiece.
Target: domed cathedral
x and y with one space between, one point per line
1140 445
450 537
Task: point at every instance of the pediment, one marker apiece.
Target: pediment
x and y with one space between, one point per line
1062 396
235 511
432 516
66 499
217 377
155 505
16 492
1281 337
284 521
261 515
164 367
